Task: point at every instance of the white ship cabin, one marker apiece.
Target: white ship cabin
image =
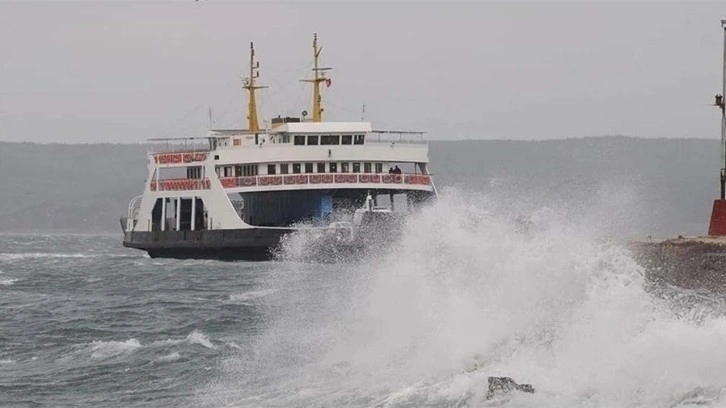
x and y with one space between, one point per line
322 148
294 172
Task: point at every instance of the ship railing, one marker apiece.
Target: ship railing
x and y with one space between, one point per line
179 145
395 136
132 213
326 178
180 157
181 184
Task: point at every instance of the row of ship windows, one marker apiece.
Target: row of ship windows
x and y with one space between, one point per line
299 168
314 140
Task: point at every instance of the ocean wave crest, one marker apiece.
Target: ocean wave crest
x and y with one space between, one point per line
106 349
195 337
31 255
169 357
247 296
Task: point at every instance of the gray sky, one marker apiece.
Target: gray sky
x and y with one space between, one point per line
123 72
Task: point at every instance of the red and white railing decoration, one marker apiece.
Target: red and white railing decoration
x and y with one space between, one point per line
325 178
180 184
291 179
177 158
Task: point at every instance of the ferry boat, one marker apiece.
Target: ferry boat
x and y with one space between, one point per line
235 193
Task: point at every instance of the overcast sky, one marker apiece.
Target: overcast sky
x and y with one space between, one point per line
124 72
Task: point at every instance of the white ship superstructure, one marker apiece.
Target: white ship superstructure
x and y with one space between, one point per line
235 193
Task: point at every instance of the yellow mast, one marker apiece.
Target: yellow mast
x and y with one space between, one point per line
318 77
249 82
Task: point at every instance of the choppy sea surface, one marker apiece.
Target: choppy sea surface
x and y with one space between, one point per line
464 295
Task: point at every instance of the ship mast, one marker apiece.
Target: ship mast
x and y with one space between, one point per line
249 85
318 77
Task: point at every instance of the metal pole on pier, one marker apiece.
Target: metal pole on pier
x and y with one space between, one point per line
720 104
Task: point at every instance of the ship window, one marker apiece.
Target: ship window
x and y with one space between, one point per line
299 140
246 170
344 167
308 167
356 167
296 168
194 172
284 168
379 167
347 139
312 140
366 167
333 167
285 138
359 139
329 139
321 167
271 169
237 142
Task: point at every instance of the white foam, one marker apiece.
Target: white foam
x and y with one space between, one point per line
21 256
169 357
6 361
247 296
7 282
106 349
168 342
555 307
197 337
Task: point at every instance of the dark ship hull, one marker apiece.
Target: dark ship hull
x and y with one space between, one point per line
253 244
326 245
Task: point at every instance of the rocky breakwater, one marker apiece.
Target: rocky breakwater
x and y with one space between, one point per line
688 262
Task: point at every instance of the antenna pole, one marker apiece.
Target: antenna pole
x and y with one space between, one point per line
253 124
318 77
317 99
720 104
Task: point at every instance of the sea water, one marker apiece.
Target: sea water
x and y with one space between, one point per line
468 291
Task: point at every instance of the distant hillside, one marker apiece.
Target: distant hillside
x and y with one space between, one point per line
658 186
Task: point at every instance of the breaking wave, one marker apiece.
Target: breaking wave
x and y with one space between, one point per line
169 357
252 295
195 337
106 349
33 255
470 291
